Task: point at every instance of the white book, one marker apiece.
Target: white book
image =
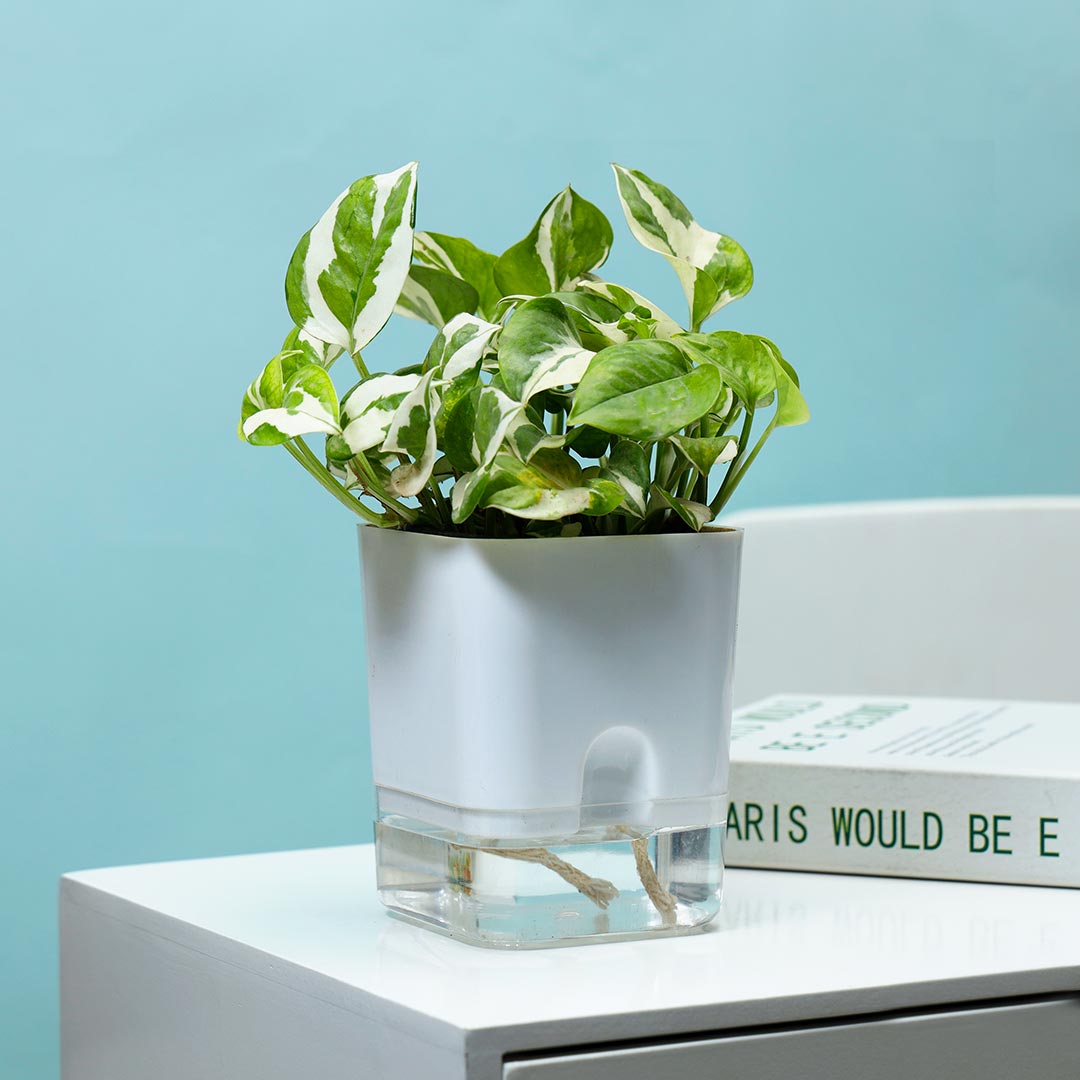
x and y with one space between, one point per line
909 787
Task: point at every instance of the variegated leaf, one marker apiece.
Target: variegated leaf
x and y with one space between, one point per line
705 452
459 346
596 320
539 348
313 350
549 487
267 391
712 268
693 514
368 409
456 356
791 407
644 390
412 433
308 405
743 360
495 412
348 270
478 426
634 308
434 296
570 238
628 466
464 260
526 438
466 494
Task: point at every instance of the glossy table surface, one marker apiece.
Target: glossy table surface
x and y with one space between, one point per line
787 947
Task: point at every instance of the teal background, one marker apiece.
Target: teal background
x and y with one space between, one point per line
181 632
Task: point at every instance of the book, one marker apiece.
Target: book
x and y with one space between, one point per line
909 787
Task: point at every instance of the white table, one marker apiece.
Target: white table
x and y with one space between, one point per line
267 967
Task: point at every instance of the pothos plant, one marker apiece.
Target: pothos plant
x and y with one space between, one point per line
551 402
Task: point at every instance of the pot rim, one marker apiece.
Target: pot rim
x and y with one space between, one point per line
724 531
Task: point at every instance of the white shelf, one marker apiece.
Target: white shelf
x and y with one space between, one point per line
302 936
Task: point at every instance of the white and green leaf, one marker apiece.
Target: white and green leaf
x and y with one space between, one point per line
412 435
434 296
456 356
599 323
478 426
570 238
634 309
548 487
539 348
465 261
705 452
369 408
628 466
693 514
712 268
459 346
791 407
466 494
525 438
312 349
743 360
267 390
307 405
349 268
644 390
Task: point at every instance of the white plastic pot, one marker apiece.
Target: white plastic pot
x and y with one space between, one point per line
517 685
537 692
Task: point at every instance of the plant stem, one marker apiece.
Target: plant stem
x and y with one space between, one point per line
732 482
371 485
687 483
335 489
358 363
724 491
442 504
665 461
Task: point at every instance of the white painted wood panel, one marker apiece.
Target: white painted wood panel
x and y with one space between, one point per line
1038 1041
272 967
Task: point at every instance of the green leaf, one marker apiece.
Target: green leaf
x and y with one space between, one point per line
308 405
628 466
644 390
349 268
539 348
791 407
588 441
570 238
412 433
694 514
634 307
368 409
712 268
743 359
548 487
435 296
464 260
704 453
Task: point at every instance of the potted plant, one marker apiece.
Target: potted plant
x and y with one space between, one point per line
550 618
